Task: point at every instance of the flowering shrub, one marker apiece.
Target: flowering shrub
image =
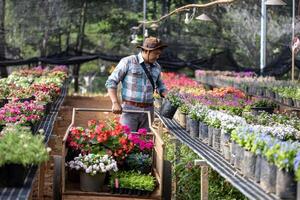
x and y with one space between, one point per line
21 113
108 136
93 164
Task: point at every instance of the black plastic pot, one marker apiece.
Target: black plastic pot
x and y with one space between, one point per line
270 94
297 103
167 109
286 186
187 125
268 176
224 140
13 175
194 128
216 139
257 168
239 157
3 102
258 110
204 132
249 162
288 101
210 135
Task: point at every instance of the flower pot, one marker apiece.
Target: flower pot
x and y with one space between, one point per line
270 94
268 176
48 108
248 165
182 119
203 132
225 139
216 139
257 168
288 101
233 152
260 91
239 154
187 126
27 99
194 128
258 110
90 183
297 103
167 109
226 151
13 175
286 186
210 135
73 175
3 102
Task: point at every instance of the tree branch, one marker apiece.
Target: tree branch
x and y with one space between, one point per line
188 6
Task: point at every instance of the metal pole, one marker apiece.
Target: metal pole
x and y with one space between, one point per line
293 35
263 36
144 17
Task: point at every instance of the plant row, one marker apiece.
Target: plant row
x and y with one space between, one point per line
222 118
286 92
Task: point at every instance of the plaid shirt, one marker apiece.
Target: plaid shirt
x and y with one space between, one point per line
135 83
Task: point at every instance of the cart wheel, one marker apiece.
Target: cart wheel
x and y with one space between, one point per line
57 178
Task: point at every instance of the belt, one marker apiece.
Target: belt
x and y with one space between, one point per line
138 104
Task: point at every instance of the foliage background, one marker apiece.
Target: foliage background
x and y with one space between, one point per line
34 28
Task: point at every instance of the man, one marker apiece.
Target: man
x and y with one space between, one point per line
135 72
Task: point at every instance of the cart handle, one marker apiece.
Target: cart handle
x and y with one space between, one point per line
108 110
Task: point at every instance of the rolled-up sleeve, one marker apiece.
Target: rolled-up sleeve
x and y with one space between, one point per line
117 75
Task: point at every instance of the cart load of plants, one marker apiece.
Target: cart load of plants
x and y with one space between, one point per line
105 147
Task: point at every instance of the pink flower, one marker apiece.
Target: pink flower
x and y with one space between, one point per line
142 131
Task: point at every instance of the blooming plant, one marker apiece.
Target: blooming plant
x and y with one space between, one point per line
140 140
21 113
93 164
19 146
107 136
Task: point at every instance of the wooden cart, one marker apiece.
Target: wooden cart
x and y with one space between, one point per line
63 188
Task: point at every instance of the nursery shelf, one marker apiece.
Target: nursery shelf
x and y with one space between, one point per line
248 187
20 193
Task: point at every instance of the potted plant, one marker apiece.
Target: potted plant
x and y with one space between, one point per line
19 149
170 105
263 105
132 183
93 168
140 162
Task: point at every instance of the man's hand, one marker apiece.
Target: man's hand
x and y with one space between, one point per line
116 108
164 94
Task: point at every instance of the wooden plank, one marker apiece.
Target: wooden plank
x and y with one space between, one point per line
41 181
204 183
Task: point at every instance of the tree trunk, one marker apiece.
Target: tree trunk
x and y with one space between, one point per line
46 31
164 7
79 45
3 69
154 11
